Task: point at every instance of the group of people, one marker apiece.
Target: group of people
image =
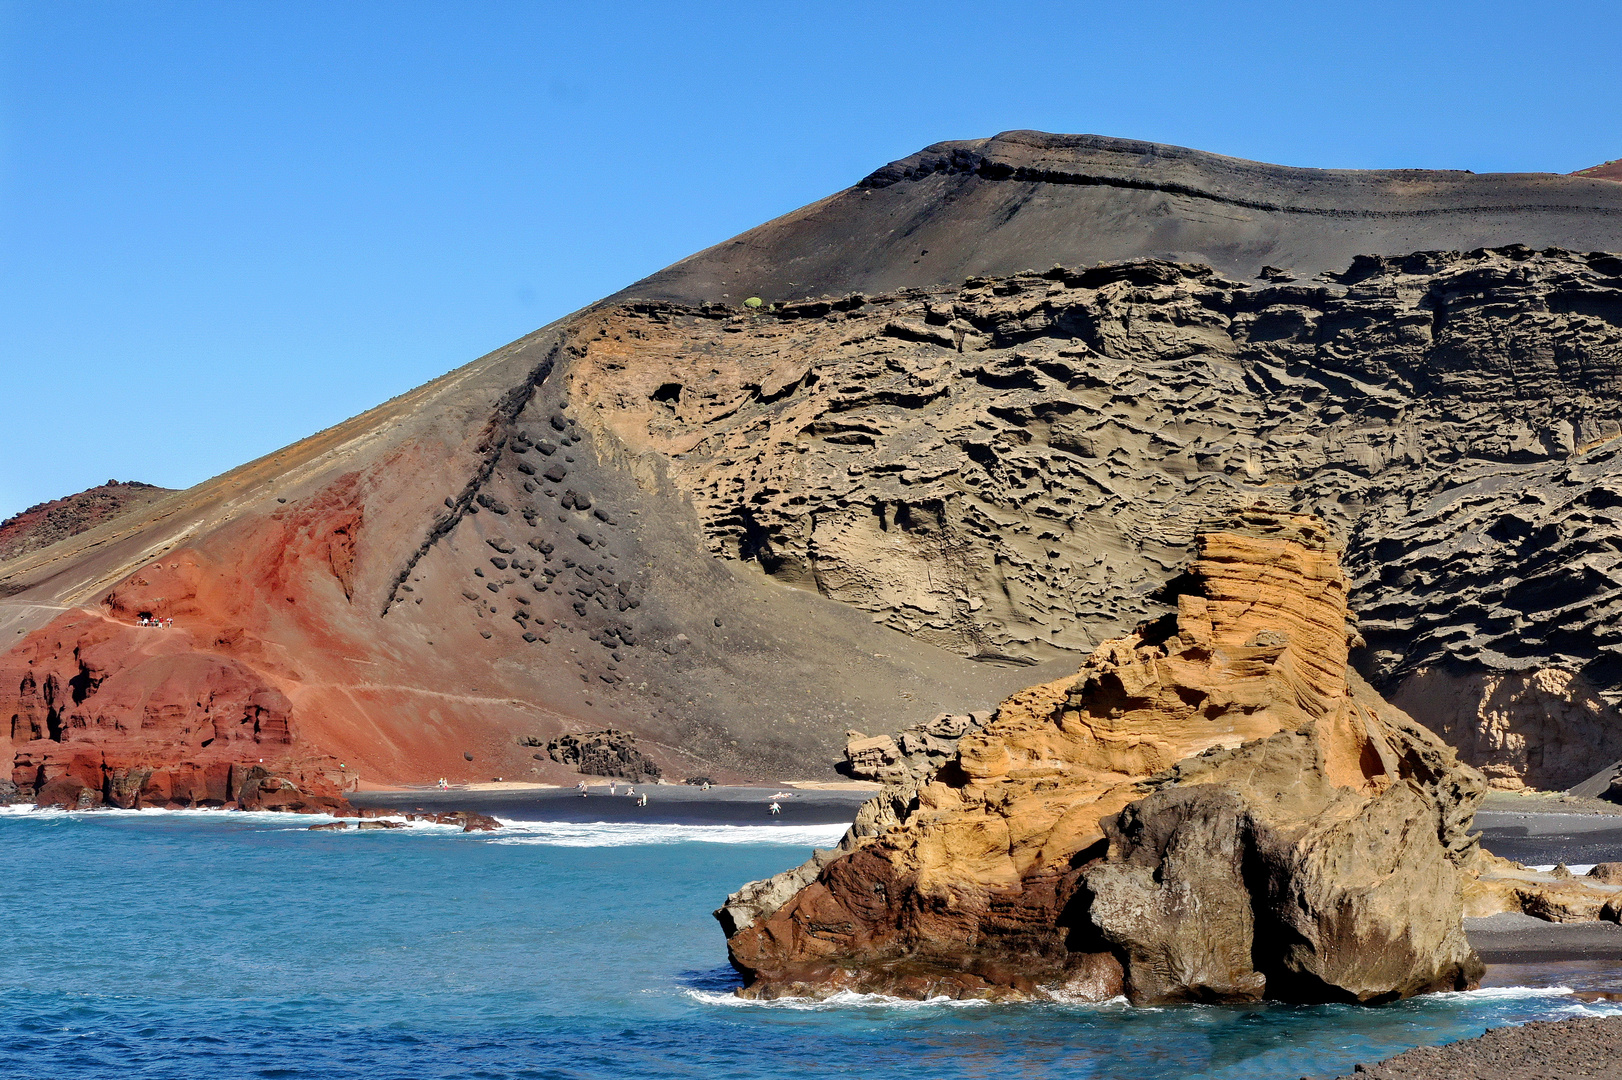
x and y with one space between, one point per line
148 620
613 789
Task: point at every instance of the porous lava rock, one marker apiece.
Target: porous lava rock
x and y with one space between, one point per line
1010 468
909 755
1216 808
604 753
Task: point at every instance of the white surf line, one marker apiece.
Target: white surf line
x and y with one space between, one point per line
632 834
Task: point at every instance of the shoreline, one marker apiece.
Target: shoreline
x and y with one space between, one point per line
668 804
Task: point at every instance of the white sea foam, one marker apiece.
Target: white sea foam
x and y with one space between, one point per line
1576 868
625 834
1498 993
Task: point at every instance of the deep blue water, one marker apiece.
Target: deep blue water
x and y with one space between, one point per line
210 945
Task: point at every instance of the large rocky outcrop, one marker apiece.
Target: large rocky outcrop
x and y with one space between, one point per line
875 509
1215 808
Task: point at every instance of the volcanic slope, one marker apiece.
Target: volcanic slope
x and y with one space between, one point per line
45 523
741 532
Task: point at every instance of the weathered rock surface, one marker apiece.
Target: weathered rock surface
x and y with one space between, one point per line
1010 469
913 754
43 524
1002 472
604 753
1215 809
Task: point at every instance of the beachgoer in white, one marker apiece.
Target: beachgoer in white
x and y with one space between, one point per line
642 800
706 786
582 787
630 791
613 786
776 809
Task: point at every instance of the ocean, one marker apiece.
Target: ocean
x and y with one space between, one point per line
179 944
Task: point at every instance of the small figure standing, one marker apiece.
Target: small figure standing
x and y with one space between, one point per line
613 785
776 808
642 800
582 787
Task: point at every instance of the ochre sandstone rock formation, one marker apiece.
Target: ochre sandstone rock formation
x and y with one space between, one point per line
1215 808
1544 728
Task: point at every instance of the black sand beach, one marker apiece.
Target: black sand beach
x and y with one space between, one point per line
668 804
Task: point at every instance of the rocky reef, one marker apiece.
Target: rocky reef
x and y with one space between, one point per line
1216 808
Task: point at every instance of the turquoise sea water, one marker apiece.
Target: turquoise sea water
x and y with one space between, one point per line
177 945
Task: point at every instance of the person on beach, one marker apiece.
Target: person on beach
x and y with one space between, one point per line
631 791
776 808
613 785
642 800
582 787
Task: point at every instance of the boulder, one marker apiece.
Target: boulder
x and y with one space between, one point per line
1216 808
604 753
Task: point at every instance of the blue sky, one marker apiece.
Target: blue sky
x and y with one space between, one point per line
226 225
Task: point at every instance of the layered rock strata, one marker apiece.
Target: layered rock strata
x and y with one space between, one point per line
1216 808
1009 469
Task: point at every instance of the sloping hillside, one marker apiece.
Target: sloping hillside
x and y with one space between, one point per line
740 531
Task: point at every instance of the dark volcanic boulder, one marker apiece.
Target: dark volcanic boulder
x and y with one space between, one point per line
604 753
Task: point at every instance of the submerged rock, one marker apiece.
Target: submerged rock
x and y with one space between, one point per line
1216 808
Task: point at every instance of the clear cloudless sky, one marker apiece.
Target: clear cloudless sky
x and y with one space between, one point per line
225 225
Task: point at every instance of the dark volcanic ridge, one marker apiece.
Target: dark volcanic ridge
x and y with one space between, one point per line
45 523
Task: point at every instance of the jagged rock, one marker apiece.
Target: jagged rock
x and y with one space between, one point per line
604 753
1215 809
914 753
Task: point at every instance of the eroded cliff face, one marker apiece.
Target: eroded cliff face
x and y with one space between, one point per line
1011 468
1215 808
